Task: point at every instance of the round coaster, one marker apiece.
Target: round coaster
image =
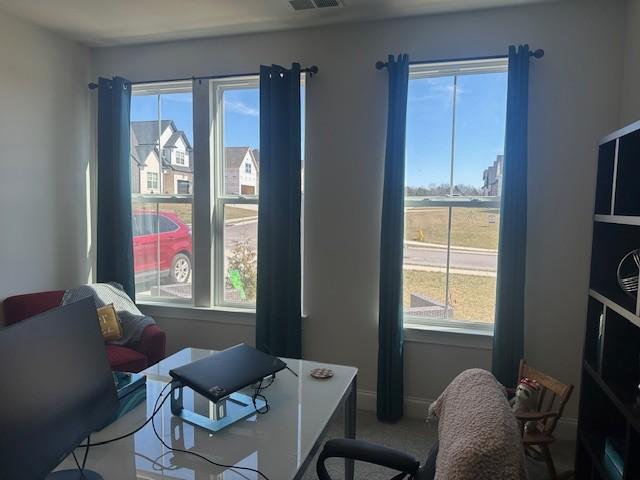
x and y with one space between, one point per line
322 373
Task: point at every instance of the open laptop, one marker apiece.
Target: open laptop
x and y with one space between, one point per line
227 371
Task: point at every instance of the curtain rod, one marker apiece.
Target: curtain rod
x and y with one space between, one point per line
536 54
312 70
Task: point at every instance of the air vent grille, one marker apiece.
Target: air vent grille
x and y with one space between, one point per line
312 4
301 4
326 3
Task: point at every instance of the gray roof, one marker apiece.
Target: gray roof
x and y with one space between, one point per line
146 132
142 152
233 156
173 139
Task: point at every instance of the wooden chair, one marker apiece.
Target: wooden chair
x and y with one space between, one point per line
552 398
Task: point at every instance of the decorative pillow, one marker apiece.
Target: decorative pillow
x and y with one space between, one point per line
109 323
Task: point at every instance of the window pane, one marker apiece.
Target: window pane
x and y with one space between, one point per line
241 126
162 261
455 143
161 153
429 127
240 253
481 111
425 261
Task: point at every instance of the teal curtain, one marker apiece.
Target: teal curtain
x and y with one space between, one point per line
508 339
278 302
114 236
390 348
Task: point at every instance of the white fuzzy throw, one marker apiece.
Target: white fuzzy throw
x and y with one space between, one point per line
477 431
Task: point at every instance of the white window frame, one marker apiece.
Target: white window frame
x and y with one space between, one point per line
153 180
220 197
441 69
157 199
180 157
208 197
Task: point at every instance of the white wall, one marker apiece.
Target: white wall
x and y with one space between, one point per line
45 142
630 98
573 102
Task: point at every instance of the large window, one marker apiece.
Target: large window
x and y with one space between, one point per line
161 116
237 105
214 213
454 160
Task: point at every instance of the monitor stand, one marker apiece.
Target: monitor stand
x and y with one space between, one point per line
74 475
226 411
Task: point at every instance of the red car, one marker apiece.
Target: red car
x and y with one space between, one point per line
175 247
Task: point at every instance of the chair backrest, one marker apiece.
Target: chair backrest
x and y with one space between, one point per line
553 395
19 307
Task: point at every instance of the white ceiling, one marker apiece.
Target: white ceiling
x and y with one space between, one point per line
118 22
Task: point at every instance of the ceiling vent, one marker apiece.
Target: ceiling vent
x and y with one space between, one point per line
312 4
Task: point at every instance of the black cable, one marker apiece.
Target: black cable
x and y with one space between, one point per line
84 460
233 468
156 409
97 444
257 394
86 452
155 464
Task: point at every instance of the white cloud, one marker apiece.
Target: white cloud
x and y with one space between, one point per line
241 108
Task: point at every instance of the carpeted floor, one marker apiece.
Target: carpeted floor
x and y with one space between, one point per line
416 437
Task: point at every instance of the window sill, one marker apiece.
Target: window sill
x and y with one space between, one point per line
450 336
228 315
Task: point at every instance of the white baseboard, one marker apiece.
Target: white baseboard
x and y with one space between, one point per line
416 407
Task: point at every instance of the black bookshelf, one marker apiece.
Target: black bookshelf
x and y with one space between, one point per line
610 399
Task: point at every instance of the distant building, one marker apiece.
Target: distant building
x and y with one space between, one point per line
241 172
176 158
492 177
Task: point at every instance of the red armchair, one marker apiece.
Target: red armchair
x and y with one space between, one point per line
148 351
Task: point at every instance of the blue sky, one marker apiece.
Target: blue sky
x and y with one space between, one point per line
480 123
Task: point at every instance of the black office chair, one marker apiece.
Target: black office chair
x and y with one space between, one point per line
404 463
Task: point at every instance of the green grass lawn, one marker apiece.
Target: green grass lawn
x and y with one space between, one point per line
472 297
470 227
234 213
184 211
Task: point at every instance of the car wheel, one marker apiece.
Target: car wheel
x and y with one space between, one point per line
180 268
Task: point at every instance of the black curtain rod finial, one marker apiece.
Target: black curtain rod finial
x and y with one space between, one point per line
312 70
539 53
92 86
380 65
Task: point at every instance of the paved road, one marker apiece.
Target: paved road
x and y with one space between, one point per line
419 256
461 259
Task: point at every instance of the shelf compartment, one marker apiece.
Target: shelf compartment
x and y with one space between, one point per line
594 333
604 184
620 367
611 242
620 219
599 419
627 171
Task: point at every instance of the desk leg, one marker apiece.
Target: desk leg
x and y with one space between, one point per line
350 425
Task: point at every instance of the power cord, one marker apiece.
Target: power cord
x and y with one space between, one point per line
233 468
84 460
257 394
156 409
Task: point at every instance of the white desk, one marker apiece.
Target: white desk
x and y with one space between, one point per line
280 443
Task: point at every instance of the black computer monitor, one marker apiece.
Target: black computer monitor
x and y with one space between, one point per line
56 387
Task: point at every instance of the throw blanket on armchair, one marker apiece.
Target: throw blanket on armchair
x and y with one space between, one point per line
477 431
133 320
